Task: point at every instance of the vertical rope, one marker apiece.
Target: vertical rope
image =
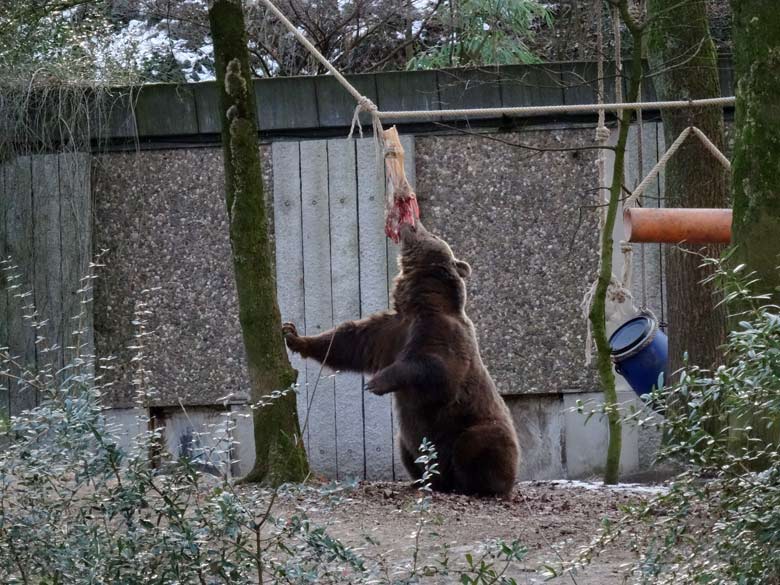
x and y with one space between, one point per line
641 167
618 55
602 138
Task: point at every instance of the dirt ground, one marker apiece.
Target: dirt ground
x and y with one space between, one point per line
552 519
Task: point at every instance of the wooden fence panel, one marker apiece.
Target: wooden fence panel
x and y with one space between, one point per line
19 246
76 244
345 287
4 380
46 216
47 282
288 232
378 420
318 302
333 265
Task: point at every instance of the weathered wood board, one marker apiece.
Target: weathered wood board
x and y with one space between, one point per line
377 410
47 283
318 303
19 246
345 283
288 236
76 244
333 265
652 133
46 216
4 381
407 142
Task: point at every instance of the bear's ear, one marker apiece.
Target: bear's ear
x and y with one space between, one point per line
463 268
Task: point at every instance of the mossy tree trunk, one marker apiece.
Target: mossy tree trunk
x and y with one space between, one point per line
756 162
280 455
683 59
598 308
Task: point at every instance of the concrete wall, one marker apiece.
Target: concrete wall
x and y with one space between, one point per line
514 215
523 219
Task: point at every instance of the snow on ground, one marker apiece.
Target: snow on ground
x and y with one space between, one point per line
140 44
635 488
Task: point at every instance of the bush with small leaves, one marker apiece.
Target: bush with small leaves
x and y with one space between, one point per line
719 521
78 508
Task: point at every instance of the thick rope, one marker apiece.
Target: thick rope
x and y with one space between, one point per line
364 104
602 132
602 138
659 166
668 154
618 291
641 167
712 148
560 109
618 54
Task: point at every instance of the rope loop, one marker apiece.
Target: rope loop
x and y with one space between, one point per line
602 133
364 104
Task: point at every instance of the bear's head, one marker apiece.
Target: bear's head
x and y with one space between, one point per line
431 278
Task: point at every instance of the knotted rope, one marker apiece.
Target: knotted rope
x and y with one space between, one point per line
659 166
618 292
364 104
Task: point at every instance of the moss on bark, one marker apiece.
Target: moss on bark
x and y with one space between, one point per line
280 455
684 64
756 162
597 314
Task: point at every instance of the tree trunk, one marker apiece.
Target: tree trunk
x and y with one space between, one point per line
756 161
280 455
597 314
682 56
756 164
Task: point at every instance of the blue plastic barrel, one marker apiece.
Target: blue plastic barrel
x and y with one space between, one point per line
639 350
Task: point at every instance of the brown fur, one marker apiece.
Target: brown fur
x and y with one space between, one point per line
425 351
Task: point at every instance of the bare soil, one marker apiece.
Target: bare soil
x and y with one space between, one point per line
554 520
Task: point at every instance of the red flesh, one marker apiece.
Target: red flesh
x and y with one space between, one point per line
404 210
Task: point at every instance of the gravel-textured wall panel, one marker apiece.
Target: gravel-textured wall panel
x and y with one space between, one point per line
520 219
161 216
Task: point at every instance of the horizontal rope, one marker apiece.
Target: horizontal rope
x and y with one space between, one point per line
365 104
563 109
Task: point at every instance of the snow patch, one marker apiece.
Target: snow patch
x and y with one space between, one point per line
637 488
139 43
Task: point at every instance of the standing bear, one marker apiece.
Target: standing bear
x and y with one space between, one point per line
425 351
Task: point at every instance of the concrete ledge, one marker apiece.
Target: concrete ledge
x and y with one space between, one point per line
219 440
556 441
586 437
315 102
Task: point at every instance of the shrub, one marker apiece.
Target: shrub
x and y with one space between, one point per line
77 508
719 522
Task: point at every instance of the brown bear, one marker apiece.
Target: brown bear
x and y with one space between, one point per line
425 351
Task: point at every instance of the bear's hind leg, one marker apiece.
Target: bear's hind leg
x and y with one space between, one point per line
485 460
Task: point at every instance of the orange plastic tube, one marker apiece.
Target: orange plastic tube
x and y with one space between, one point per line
673 226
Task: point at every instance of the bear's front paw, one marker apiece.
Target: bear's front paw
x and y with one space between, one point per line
291 338
378 386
